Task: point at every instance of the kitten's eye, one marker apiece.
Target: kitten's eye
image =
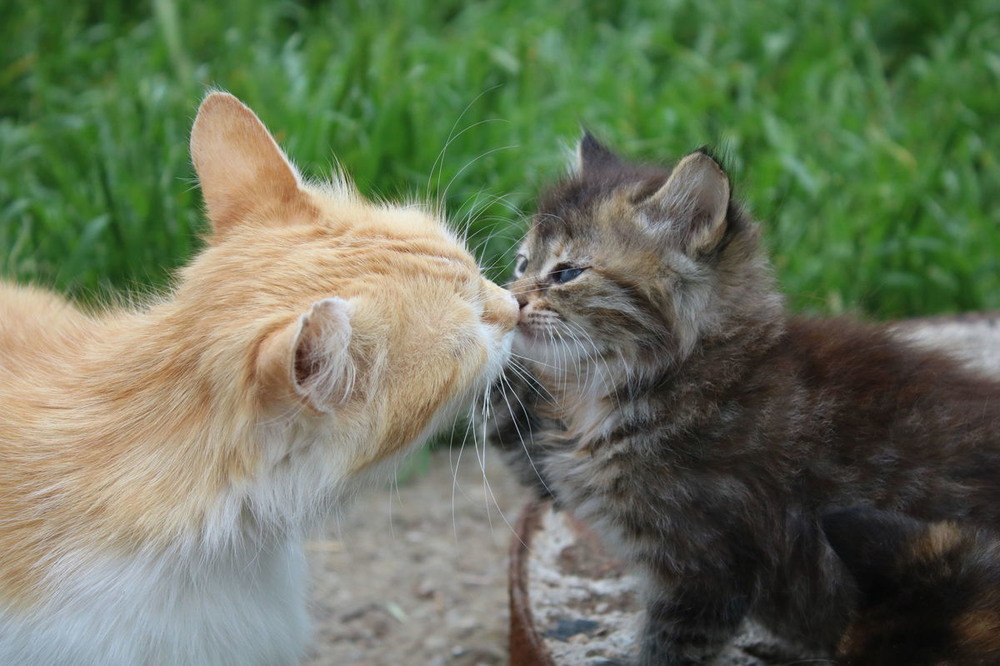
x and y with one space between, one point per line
563 274
521 265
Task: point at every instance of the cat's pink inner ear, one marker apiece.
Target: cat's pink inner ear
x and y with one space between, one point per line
309 359
694 202
322 369
243 173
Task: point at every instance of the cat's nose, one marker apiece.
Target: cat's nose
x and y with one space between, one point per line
522 301
501 308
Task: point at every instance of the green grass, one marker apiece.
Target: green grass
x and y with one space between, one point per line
863 133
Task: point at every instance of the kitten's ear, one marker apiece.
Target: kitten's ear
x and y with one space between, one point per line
242 171
592 156
871 543
694 201
311 358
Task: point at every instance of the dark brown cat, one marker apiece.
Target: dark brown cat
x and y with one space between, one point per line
682 412
930 592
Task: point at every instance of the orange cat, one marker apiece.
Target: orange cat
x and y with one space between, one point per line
158 467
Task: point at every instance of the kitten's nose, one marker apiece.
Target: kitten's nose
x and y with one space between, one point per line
522 300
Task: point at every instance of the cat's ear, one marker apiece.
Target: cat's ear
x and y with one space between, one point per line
593 156
311 358
871 543
242 171
694 202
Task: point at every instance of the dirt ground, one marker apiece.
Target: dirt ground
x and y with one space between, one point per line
418 575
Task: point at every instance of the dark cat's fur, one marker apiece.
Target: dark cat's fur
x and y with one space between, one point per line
683 413
930 592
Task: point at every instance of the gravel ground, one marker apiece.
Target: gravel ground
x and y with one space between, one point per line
417 576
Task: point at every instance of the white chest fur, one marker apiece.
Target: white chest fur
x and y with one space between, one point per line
242 609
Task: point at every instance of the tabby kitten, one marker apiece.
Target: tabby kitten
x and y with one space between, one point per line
674 405
160 466
930 592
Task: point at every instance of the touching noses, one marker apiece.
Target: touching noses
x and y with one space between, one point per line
501 308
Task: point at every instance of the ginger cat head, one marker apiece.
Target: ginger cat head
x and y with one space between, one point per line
315 336
365 324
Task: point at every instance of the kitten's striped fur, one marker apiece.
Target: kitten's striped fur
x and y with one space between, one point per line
159 466
702 429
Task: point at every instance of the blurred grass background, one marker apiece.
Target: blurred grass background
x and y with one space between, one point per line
863 133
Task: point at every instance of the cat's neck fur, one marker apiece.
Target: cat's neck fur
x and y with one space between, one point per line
163 412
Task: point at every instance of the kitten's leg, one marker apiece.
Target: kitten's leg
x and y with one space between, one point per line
692 622
707 546
810 604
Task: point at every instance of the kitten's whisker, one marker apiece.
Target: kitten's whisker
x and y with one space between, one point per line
540 364
519 292
611 388
529 381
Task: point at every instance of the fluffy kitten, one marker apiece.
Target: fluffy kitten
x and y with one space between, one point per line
930 592
159 466
680 410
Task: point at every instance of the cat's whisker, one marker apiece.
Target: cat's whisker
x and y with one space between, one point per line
439 160
503 262
488 494
472 162
480 201
481 459
453 466
520 435
511 529
470 429
495 231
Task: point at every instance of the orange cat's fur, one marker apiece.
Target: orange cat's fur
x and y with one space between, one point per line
158 467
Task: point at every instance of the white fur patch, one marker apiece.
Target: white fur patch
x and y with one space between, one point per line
244 610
